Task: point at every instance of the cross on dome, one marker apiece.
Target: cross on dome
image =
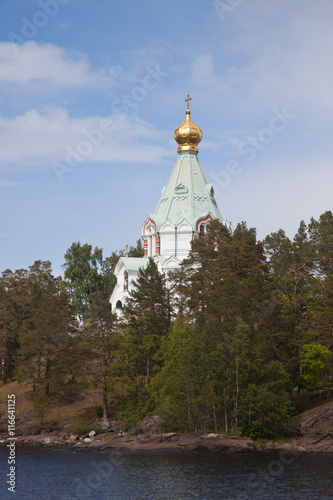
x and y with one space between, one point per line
188 101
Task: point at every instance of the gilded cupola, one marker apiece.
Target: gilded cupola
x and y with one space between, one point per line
188 134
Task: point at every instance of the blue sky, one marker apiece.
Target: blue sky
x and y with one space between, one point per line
91 92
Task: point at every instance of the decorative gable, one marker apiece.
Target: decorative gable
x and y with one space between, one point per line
181 189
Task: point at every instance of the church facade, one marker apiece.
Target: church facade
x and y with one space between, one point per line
186 206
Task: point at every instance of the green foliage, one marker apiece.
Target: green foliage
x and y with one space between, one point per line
13 297
99 411
136 251
315 362
133 405
253 320
85 424
321 235
68 377
148 318
99 340
40 404
88 275
171 416
82 277
181 384
43 335
266 407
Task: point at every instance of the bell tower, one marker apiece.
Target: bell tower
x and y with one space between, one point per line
186 206
187 203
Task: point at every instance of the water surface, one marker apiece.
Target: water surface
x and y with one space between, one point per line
44 473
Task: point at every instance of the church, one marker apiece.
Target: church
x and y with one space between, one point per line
186 206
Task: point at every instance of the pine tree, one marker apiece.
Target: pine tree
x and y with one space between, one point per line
43 334
221 289
293 289
147 320
148 315
99 341
82 277
13 299
183 387
321 236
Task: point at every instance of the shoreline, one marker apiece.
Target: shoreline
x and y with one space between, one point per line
174 443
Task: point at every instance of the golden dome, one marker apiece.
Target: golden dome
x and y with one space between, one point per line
188 134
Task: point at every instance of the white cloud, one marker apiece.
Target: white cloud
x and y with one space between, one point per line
8 183
35 139
203 72
23 64
32 63
278 195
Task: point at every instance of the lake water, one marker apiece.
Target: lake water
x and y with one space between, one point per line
51 474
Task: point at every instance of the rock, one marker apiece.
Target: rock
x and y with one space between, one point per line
87 440
290 447
48 440
72 439
104 425
315 428
92 433
268 447
316 420
183 442
149 425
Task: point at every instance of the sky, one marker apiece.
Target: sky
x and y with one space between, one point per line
91 92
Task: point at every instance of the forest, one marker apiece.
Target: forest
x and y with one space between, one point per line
227 344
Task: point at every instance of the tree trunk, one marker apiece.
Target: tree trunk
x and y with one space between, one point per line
34 388
105 404
237 392
4 372
47 377
105 393
4 361
148 370
213 405
38 366
225 411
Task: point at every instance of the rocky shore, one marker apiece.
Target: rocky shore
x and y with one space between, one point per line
174 442
312 433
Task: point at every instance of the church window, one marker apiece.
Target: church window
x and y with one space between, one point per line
125 281
201 231
119 304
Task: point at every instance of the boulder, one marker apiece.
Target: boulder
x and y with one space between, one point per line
47 440
104 425
72 439
316 421
149 425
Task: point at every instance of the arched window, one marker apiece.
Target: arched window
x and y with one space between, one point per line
119 304
125 281
201 231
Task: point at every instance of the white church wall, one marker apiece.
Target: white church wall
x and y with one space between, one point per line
167 239
184 239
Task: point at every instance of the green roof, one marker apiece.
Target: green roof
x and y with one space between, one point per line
187 195
133 264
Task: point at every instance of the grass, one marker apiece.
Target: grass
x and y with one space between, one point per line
57 416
